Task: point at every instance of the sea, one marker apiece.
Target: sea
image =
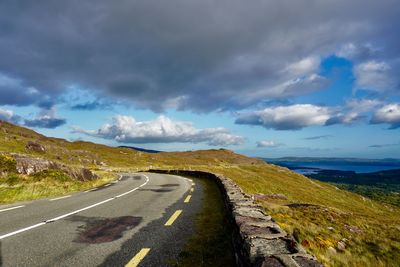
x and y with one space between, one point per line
307 167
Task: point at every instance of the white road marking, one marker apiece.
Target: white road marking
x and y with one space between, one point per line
72 213
90 190
22 230
12 208
53 199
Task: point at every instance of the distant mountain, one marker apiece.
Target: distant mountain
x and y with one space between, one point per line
141 149
333 160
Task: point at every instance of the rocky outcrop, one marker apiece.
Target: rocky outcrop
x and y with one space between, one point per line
257 238
28 165
35 147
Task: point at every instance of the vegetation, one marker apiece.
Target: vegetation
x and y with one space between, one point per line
15 187
211 245
318 214
383 186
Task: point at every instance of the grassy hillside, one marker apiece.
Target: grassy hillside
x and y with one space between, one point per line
319 215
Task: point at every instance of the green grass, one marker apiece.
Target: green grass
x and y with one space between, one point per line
210 246
15 187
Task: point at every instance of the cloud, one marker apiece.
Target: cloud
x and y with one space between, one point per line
9 116
46 119
45 122
125 129
358 52
293 117
389 114
354 111
383 145
195 55
270 144
90 105
375 76
318 137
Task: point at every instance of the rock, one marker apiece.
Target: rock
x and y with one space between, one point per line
352 229
331 228
271 262
88 175
28 165
341 246
331 250
35 147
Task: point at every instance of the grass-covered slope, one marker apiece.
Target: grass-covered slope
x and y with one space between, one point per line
339 227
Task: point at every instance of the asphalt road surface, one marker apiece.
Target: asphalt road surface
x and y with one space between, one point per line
140 220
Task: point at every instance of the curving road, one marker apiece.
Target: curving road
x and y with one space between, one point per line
140 220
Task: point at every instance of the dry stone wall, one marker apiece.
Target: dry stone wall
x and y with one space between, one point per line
258 240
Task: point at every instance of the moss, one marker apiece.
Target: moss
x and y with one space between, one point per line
211 245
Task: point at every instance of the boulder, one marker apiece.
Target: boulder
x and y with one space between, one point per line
28 165
35 147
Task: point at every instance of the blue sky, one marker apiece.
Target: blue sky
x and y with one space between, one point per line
256 78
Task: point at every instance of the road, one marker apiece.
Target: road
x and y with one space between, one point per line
140 220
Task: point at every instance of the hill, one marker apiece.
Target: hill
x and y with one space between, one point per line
339 227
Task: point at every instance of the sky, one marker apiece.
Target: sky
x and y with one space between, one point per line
267 78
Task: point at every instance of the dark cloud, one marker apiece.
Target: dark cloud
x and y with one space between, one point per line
45 122
383 145
196 55
46 118
318 137
91 105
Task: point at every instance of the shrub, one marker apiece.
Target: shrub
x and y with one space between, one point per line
7 164
12 179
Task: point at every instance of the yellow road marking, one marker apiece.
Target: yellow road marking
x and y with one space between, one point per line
187 199
191 189
173 218
138 258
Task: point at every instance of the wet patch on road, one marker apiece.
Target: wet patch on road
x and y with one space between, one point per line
161 190
102 230
168 185
137 177
164 188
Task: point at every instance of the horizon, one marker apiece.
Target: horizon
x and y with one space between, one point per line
264 79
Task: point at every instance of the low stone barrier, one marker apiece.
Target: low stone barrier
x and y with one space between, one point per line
258 240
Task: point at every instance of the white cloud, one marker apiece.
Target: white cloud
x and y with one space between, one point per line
292 117
9 115
389 114
126 129
305 66
374 76
269 144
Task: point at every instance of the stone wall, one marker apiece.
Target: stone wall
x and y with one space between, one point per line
258 240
